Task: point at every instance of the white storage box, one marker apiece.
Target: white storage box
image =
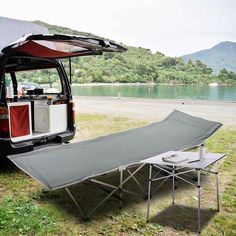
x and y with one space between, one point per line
50 118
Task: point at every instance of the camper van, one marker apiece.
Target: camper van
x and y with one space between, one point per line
36 106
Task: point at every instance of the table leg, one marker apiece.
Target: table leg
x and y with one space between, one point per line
217 188
121 188
199 200
149 191
173 183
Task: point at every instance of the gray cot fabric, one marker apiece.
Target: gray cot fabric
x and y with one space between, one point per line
64 165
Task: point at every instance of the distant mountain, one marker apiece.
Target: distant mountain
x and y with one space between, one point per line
11 30
223 55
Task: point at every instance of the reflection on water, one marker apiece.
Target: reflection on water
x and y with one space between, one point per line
200 92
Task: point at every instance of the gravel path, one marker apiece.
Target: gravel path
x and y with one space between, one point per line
155 110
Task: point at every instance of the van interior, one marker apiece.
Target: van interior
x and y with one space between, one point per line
37 97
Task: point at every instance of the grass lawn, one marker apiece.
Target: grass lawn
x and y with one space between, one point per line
25 209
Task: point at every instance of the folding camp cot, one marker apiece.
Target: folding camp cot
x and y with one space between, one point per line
66 165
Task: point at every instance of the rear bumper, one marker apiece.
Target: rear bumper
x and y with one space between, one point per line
9 148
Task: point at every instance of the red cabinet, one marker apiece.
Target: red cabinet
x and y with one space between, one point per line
20 120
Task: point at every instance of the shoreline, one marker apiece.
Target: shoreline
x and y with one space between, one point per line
157 109
145 84
161 100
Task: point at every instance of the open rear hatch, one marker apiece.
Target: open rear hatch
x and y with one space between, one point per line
30 117
60 46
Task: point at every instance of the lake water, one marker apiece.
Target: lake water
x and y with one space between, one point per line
193 92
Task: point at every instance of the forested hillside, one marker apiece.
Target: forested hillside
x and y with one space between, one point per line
139 65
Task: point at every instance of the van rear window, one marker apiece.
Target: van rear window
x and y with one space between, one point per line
46 80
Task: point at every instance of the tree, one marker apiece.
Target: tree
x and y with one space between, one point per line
190 63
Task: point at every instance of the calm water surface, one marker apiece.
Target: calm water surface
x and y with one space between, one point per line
194 92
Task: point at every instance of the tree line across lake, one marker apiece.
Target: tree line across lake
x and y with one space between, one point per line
139 65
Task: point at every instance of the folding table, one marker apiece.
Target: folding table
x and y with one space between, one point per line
177 170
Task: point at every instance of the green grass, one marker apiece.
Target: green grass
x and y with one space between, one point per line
26 210
224 223
23 216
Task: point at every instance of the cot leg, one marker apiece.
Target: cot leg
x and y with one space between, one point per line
149 191
217 188
173 185
121 188
83 215
199 200
138 183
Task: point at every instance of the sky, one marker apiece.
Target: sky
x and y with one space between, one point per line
173 27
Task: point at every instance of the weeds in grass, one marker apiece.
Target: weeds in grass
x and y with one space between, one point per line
224 223
21 216
132 223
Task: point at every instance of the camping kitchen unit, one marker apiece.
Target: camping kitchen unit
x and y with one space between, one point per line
36 107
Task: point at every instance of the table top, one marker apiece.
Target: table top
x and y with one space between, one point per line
183 159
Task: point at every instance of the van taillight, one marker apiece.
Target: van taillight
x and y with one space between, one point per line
72 105
4 120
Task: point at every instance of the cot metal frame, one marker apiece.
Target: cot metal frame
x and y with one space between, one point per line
112 189
172 173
